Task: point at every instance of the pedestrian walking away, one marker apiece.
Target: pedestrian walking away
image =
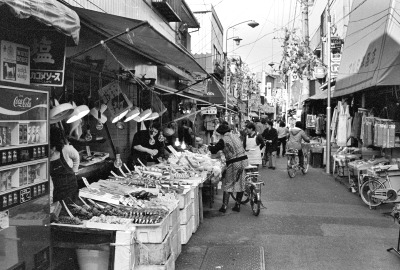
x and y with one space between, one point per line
283 133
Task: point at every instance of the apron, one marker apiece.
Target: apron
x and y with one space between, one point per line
253 151
64 180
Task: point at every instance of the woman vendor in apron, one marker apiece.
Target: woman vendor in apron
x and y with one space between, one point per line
253 143
236 161
64 162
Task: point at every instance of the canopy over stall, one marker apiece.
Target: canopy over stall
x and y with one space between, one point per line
146 40
371 55
49 12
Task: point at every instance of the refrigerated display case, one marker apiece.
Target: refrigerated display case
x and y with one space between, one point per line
24 179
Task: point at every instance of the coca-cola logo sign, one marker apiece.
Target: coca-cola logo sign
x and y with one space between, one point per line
23 102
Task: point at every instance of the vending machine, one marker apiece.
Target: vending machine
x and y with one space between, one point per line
24 179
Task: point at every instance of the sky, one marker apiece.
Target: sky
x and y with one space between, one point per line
260 45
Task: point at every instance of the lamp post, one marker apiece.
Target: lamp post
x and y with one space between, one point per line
252 24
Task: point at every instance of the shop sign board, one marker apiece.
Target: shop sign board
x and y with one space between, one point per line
116 101
47 63
14 62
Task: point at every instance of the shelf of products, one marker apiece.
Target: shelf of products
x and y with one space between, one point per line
24 149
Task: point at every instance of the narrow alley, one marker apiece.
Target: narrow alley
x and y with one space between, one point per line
310 222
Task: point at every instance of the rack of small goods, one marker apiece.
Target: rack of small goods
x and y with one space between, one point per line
158 206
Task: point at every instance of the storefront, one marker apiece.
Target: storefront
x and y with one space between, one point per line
33 37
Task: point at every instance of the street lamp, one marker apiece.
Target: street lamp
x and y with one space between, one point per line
252 24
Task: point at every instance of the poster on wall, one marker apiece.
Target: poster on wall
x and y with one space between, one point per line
47 63
116 101
14 62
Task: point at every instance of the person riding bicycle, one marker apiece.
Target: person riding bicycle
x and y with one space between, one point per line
296 135
253 143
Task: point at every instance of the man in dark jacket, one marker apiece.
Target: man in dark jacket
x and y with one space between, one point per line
271 144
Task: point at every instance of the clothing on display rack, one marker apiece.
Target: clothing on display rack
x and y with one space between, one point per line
342 129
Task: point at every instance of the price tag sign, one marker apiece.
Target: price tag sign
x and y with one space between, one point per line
86 182
25 195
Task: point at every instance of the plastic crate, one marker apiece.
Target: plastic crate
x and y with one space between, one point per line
169 265
156 253
174 217
184 198
152 233
186 213
186 232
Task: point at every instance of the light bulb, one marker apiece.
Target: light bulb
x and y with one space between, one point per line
118 161
177 143
99 125
183 146
88 136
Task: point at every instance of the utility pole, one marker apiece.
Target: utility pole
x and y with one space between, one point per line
304 12
328 107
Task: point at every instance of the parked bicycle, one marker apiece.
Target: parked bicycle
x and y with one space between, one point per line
293 164
379 188
252 192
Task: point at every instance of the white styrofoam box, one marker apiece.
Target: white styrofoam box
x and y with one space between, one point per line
169 265
186 213
156 253
194 192
176 246
126 251
186 232
152 233
174 217
184 198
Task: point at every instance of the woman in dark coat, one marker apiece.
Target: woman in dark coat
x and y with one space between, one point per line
236 160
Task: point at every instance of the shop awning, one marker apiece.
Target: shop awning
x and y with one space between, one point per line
146 40
49 12
371 55
188 95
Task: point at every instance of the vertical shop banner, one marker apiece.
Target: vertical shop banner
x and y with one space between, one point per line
116 101
47 58
14 62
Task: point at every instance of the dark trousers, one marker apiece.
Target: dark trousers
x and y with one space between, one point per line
281 141
301 157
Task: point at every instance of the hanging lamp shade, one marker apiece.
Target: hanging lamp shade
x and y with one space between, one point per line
95 113
119 116
153 116
143 115
132 114
78 113
60 111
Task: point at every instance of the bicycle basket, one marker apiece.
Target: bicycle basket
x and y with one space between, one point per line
292 151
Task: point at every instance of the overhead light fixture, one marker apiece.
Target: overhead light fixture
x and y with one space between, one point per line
153 116
78 113
60 112
183 146
143 115
132 114
177 143
253 24
99 114
119 116
237 40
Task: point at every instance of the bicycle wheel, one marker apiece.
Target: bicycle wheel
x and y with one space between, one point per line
291 166
304 170
368 190
255 201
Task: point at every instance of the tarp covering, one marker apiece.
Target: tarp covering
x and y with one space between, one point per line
145 40
49 12
371 55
